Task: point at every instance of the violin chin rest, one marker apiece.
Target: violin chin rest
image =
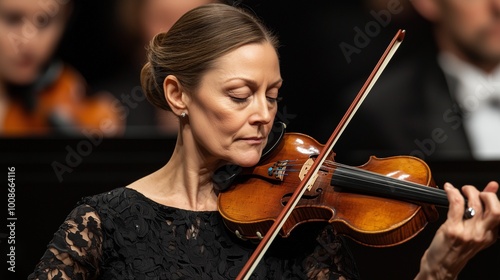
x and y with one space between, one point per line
225 175
274 138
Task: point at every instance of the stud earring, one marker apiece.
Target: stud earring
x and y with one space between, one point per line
183 114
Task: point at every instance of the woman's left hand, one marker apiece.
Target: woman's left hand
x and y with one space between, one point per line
459 239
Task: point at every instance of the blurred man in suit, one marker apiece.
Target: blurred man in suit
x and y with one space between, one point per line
442 104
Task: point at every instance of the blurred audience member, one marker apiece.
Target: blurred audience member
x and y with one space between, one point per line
442 104
39 94
138 21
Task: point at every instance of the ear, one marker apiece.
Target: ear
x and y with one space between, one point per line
174 94
429 9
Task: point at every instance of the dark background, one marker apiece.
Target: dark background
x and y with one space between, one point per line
315 71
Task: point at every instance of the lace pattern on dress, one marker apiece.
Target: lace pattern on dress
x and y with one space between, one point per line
124 235
75 248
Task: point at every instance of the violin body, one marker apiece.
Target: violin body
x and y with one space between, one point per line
259 194
62 105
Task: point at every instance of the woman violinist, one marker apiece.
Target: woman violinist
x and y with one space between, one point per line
38 94
217 69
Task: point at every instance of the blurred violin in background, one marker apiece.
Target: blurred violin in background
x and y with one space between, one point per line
60 104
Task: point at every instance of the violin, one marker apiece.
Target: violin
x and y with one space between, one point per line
59 104
382 203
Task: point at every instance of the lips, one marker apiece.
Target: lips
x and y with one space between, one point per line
25 62
253 140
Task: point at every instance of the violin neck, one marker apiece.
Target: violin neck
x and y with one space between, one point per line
366 182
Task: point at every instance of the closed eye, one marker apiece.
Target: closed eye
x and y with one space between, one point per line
274 100
239 99
239 95
12 18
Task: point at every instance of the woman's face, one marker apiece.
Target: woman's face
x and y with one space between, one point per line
232 111
29 33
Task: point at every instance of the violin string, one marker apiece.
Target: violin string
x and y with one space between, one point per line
366 176
401 183
355 172
404 187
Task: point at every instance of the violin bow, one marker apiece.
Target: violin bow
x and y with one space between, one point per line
266 241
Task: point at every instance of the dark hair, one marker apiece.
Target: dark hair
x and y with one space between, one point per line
127 20
194 43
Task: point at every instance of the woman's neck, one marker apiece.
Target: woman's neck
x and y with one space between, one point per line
185 181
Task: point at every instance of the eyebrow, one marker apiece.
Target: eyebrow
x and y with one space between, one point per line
254 84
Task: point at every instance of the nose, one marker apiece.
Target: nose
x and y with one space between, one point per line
30 39
262 112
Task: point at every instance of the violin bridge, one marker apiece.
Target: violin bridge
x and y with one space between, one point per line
303 171
278 170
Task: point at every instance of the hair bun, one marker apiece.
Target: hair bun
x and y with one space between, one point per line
152 91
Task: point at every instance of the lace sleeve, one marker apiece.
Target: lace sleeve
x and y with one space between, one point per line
75 250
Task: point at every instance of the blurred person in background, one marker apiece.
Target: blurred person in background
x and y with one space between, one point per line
442 102
137 21
41 95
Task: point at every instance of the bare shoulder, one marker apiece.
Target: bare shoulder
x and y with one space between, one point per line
156 187
146 185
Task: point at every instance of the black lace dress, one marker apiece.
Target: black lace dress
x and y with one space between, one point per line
122 234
